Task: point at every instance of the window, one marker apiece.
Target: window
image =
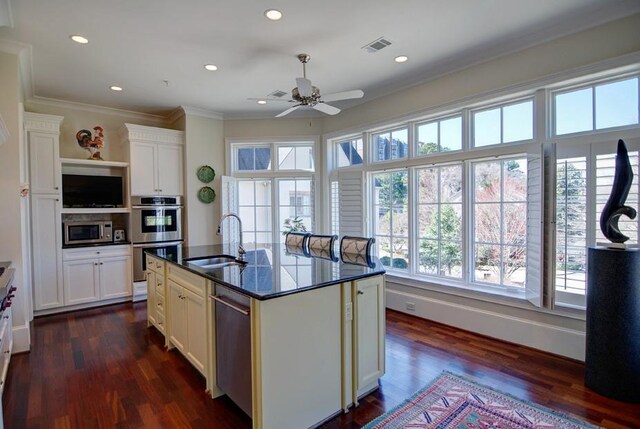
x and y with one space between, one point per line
335 208
391 230
253 158
439 136
295 158
295 204
349 152
500 222
391 145
440 220
504 124
597 107
254 208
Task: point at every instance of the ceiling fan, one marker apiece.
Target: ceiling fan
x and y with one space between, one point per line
305 94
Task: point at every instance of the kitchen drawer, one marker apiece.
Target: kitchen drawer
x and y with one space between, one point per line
160 303
160 323
6 345
95 252
155 264
193 282
160 284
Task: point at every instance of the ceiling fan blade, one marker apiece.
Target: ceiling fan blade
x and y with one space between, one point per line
344 95
325 108
289 110
304 87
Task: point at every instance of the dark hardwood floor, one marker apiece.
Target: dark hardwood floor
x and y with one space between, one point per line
104 368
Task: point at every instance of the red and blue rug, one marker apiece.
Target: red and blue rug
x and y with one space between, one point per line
451 401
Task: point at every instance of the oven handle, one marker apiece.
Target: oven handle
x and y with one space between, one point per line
158 244
156 207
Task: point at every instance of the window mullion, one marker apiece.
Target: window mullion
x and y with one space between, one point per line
468 225
413 233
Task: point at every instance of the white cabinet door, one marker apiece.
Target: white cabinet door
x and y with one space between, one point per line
151 297
47 259
370 326
44 161
115 277
81 281
169 170
177 316
143 168
196 329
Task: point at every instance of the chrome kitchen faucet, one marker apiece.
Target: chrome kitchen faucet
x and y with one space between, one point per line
241 251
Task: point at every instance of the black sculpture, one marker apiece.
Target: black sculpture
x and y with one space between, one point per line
615 204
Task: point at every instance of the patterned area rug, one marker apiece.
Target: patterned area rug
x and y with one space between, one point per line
455 402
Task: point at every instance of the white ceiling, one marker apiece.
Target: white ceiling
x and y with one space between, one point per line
139 44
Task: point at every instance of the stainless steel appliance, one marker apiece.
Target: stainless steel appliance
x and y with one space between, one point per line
87 232
165 249
156 223
156 219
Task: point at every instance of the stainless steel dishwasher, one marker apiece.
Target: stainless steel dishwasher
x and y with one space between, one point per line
233 345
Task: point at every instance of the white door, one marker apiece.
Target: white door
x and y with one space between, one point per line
81 281
370 327
44 163
115 277
177 316
196 329
143 168
169 170
46 237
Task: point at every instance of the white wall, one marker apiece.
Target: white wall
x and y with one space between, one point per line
10 215
204 145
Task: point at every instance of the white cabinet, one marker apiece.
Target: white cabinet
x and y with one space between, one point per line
151 298
156 159
369 340
43 133
97 273
187 315
156 293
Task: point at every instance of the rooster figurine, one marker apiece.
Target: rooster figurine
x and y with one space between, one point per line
92 145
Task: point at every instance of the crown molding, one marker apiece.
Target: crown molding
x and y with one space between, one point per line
6 16
141 133
4 131
42 122
43 101
204 113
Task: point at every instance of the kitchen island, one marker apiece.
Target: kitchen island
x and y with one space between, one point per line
291 339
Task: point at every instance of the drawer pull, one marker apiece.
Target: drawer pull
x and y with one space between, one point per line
360 292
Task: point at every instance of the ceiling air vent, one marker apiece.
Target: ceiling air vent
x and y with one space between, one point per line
376 45
278 94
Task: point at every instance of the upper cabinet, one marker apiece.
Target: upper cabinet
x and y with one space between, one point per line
43 135
156 160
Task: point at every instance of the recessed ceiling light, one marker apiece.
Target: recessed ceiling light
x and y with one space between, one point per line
79 39
262 101
273 14
211 67
115 88
401 59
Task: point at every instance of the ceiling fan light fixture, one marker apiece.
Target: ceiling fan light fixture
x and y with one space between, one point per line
261 101
401 59
115 88
273 14
210 67
79 39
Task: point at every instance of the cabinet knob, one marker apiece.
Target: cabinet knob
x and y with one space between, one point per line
98 253
360 292
95 263
57 199
101 263
56 188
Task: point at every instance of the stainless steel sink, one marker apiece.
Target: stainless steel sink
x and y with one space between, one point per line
213 262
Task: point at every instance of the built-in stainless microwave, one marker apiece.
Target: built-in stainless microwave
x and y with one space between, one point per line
87 232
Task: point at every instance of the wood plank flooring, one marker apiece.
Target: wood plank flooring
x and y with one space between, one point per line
103 368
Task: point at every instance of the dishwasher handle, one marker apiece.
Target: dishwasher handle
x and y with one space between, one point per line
237 308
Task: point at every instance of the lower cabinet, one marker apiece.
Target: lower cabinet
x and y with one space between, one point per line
156 292
95 274
187 315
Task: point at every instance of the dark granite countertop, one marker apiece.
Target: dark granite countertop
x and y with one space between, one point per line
270 270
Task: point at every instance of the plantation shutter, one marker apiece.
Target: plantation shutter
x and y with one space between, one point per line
229 204
534 283
351 203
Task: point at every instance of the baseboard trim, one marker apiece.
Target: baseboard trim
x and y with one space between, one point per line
21 339
93 304
542 336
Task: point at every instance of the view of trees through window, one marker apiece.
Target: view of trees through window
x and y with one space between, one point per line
391 200
500 221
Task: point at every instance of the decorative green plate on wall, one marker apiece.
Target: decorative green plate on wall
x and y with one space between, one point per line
205 174
206 194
